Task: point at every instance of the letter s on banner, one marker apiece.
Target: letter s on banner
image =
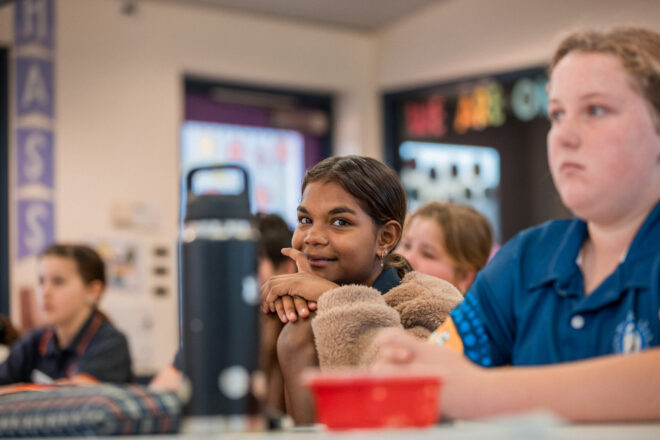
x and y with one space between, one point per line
35 226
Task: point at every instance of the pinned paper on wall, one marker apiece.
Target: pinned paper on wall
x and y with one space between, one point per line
123 264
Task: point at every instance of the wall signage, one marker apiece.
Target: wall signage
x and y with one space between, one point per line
483 104
34 65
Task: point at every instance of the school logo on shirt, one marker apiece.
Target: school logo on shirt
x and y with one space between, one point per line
632 336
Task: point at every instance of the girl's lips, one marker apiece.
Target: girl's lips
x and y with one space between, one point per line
319 262
567 167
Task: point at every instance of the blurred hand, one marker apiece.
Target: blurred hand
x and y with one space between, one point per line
398 350
294 295
401 353
167 379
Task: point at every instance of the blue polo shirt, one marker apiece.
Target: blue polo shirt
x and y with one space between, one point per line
528 306
98 349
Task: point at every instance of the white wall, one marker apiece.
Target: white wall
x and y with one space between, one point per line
456 38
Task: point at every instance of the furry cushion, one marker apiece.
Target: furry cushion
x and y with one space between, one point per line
349 317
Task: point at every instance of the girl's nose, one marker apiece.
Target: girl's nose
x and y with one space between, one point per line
315 236
44 290
567 132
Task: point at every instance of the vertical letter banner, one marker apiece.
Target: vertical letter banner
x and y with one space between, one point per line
34 42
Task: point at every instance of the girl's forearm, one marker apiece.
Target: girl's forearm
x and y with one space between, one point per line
611 388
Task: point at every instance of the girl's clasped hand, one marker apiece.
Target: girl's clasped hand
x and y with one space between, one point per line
294 296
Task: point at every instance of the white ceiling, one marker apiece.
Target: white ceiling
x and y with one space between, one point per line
365 15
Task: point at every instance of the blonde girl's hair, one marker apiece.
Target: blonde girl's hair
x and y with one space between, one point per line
637 49
467 233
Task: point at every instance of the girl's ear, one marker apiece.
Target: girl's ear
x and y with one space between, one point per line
94 291
389 235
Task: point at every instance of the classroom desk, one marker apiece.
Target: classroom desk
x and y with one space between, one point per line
519 428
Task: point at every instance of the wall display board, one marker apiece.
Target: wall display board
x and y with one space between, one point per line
274 159
275 133
478 141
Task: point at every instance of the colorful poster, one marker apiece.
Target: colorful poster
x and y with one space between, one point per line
274 159
122 263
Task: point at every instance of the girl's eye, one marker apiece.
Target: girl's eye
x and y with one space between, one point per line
596 110
340 222
58 281
304 220
428 256
555 115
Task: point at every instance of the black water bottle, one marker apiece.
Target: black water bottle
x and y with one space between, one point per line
219 300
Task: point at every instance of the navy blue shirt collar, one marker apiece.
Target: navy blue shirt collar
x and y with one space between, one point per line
387 280
84 334
563 267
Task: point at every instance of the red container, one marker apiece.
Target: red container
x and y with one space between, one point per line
350 400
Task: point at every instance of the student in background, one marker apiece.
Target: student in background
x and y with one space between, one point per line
568 298
350 219
274 235
79 344
447 240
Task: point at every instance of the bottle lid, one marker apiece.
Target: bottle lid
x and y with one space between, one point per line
217 191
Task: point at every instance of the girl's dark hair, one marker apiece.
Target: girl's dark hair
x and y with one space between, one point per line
374 185
90 265
8 333
274 234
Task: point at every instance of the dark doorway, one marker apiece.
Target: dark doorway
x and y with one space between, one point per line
4 182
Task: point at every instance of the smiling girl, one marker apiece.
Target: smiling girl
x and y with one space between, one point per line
79 344
349 221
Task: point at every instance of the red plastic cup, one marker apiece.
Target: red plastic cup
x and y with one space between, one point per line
358 400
